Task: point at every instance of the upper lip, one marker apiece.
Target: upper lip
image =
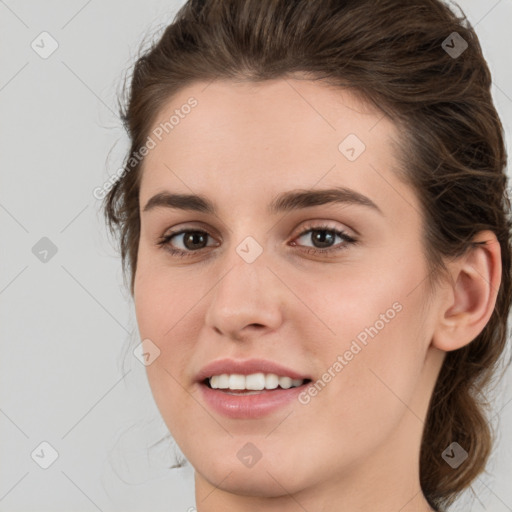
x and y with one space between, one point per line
246 367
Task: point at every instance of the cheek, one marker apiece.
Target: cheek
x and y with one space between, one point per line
378 349
160 312
162 303
162 297
366 301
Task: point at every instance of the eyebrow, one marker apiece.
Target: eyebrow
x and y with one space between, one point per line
285 202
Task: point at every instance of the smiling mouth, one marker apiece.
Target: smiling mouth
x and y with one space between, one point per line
254 384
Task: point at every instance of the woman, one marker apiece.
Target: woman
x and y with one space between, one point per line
314 218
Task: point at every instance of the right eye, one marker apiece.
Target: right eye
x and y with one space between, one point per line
192 240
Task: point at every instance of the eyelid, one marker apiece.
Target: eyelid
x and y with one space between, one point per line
310 225
191 226
318 224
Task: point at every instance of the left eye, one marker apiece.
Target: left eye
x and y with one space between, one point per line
324 237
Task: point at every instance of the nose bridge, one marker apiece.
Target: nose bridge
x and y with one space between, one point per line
244 272
246 292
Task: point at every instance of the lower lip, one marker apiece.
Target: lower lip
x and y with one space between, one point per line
249 406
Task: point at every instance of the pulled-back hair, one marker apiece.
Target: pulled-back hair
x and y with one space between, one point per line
396 55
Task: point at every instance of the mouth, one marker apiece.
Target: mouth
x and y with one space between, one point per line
251 388
233 396
252 384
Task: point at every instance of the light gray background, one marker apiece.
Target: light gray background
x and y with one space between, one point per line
65 323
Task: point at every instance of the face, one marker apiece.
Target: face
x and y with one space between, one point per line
328 289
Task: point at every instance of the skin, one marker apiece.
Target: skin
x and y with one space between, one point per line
354 446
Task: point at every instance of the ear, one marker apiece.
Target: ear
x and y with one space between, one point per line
470 298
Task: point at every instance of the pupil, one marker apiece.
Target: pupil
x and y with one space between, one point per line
193 238
321 239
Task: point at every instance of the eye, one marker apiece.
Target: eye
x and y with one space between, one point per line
191 241
324 239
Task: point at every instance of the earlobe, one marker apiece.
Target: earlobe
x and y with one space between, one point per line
471 296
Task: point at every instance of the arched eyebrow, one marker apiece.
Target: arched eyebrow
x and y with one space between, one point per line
298 199
285 202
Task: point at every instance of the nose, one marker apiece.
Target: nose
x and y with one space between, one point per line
247 300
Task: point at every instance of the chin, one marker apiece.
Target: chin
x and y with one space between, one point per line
269 476
261 480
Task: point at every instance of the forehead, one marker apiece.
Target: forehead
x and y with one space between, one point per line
308 110
244 137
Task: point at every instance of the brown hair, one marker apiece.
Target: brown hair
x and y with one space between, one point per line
394 53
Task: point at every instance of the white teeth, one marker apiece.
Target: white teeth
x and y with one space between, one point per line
223 381
271 381
253 382
285 382
236 381
214 381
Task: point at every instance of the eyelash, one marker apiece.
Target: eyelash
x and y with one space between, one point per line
164 241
